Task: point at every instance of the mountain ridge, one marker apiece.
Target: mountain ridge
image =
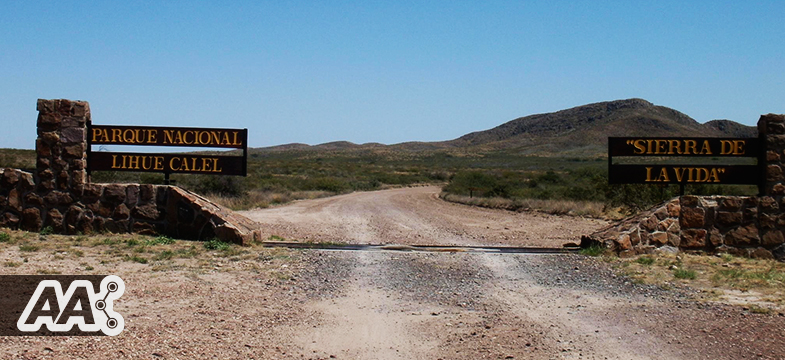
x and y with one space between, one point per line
580 130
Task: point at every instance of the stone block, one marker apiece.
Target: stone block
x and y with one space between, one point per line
693 238
147 193
146 212
674 239
132 195
58 198
74 151
635 237
10 178
778 189
661 213
78 164
674 209
658 238
73 135
45 106
772 156
650 224
775 141
768 204
15 200
749 215
31 220
772 238
742 236
774 173
665 224
692 217
42 149
33 199
64 106
715 237
144 228
54 219
731 204
623 242
114 193
761 253
9 220
121 212
729 219
689 201
81 109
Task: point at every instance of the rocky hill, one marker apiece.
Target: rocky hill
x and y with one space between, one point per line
579 131
585 129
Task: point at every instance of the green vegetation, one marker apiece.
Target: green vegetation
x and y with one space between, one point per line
28 248
645 260
47 230
4 237
216 244
688 274
593 250
160 240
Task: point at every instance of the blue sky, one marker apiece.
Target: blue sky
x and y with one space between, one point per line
391 71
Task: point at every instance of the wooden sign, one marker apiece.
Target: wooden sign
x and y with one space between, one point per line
659 172
167 136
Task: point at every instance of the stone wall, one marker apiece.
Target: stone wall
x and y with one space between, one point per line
59 196
738 225
745 226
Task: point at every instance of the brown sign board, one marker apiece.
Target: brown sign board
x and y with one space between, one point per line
167 163
664 147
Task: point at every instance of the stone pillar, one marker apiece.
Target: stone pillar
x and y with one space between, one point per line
771 129
61 157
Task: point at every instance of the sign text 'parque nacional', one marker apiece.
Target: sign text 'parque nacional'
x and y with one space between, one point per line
168 136
660 148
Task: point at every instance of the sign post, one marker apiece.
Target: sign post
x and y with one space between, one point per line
167 163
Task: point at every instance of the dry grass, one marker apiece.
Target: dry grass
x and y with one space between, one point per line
725 278
263 199
593 209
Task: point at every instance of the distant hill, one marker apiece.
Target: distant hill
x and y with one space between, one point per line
579 131
586 128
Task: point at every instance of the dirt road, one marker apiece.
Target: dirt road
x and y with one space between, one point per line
415 216
392 305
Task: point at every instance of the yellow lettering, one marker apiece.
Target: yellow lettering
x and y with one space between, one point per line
159 163
114 163
640 148
689 146
674 147
663 175
202 138
116 135
679 174
726 147
236 142
738 147
168 136
706 149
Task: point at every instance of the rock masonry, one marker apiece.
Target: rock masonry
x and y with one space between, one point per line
57 194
